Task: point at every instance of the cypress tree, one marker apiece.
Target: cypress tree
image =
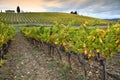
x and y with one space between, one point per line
18 9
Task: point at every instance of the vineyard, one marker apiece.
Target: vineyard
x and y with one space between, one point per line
6 35
75 40
95 45
50 18
93 42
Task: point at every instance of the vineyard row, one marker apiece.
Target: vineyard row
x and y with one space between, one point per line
6 35
92 44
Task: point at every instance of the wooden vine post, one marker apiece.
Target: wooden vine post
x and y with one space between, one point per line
59 53
69 56
103 63
1 53
50 47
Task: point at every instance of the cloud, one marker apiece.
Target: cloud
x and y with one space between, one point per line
99 7
91 5
84 7
29 5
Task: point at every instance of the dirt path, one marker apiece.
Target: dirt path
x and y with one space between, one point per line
27 63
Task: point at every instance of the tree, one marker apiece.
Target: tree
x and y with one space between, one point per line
18 9
75 12
71 12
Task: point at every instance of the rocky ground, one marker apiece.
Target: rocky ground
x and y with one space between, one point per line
25 62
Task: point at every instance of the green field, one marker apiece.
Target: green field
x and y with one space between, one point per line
50 18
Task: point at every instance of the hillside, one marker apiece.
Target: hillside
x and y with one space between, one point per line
114 19
49 18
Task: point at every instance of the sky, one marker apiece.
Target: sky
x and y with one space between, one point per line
103 9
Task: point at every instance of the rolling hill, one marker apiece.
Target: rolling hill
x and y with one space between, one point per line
114 19
50 18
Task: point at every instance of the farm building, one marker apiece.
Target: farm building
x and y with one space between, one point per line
9 11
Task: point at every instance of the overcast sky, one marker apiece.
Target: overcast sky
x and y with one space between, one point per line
95 8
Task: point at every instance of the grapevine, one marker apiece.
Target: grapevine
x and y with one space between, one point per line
93 44
82 40
6 35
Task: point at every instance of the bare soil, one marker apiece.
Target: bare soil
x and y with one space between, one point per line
25 62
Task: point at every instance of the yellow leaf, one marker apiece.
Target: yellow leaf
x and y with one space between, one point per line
85 52
98 50
56 43
117 41
84 45
100 40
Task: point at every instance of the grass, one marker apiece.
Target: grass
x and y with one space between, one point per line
65 71
1 62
